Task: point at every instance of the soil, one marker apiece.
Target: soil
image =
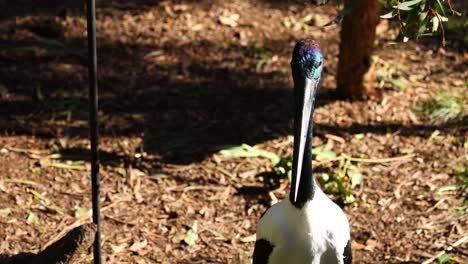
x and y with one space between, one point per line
181 80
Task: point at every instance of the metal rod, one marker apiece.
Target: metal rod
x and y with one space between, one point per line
93 126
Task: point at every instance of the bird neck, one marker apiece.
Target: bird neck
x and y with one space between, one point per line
307 182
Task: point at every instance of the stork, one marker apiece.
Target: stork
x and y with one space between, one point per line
307 227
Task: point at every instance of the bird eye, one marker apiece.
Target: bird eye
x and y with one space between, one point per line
319 64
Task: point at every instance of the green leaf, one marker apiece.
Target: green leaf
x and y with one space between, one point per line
422 29
36 171
325 177
33 219
320 154
80 211
355 177
423 15
444 258
461 171
330 154
445 107
39 196
287 22
442 8
284 167
330 185
422 6
56 156
261 62
407 6
68 166
246 151
191 236
317 150
81 20
455 12
258 51
159 175
395 82
308 18
19 181
434 135
359 136
349 199
348 196
389 15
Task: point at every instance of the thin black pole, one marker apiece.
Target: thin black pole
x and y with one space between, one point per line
93 127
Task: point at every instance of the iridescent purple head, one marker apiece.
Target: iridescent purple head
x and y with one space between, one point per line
307 59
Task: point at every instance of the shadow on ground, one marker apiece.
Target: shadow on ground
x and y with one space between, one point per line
186 100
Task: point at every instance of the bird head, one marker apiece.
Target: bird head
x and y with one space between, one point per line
307 66
307 60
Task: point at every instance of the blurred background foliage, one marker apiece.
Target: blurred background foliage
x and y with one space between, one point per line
418 18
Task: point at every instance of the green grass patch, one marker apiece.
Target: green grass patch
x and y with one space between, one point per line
445 107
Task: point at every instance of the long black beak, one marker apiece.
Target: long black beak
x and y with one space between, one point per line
302 120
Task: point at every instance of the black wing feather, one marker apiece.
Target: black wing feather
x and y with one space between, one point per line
347 255
262 251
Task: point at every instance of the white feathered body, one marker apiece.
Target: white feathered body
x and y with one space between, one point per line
315 234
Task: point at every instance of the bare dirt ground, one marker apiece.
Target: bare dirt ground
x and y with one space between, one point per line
181 81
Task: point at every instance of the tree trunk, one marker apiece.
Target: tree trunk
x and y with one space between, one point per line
355 80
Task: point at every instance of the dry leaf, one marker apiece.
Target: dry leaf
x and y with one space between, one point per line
197 27
138 245
2 187
229 19
248 174
216 159
118 248
371 244
357 246
248 239
191 236
5 212
33 219
136 191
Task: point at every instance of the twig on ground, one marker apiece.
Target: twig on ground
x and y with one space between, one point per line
118 220
449 248
19 181
185 188
80 221
367 160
